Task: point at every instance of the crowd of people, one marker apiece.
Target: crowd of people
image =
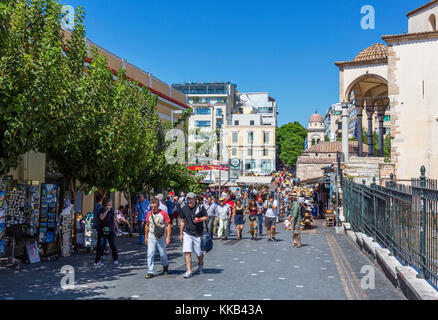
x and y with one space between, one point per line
192 216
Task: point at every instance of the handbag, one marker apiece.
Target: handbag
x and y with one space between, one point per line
206 241
158 231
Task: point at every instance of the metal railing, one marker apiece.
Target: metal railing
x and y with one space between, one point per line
399 217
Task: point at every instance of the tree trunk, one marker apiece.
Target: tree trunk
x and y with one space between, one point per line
72 191
131 219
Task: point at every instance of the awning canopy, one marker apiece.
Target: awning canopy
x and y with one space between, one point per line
318 180
251 181
226 184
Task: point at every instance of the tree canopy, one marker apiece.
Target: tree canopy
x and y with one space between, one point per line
291 139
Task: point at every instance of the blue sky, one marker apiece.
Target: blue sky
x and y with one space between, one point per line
286 48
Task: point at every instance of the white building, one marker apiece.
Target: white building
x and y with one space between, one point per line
251 133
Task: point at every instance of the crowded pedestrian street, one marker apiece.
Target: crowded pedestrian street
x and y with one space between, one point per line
327 267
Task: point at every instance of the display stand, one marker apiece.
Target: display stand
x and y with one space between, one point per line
66 228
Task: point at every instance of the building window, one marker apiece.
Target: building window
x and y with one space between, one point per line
219 124
234 152
387 118
251 137
266 166
266 137
432 21
235 137
236 123
219 113
203 124
203 111
252 122
250 152
250 164
265 152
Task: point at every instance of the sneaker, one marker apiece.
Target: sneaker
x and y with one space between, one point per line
188 274
273 239
200 268
149 276
166 271
98 264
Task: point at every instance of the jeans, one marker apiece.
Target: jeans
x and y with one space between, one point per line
260 224
101 239
223 228
140 225
153 244
210 225
230 221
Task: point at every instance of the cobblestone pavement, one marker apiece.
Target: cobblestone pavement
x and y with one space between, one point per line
327 267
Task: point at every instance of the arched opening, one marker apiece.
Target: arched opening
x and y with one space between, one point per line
432 21
369 93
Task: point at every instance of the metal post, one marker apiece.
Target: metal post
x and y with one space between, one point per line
373 186
422 273
345 131
391 215
363 207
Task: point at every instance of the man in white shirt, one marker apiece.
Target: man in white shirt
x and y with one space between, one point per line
271 217
223 212
163 206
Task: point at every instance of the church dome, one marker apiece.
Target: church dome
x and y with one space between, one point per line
376 51
316 118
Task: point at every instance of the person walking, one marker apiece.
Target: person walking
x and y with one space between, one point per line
239 218
271 217
163 205
230 203
193 217
261 211
210 207
253 217
224 213
295 217
158 230
97 207
141 209
176 211
106 230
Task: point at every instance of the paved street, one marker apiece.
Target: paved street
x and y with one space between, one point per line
327 267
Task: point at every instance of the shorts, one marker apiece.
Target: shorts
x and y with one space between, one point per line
270 222
192 244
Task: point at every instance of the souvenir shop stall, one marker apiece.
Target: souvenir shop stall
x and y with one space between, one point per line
28 217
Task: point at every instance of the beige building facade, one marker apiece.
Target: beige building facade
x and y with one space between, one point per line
402 75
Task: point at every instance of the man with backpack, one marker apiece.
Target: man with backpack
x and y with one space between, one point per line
157 226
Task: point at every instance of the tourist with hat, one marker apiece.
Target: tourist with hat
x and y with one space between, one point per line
224 213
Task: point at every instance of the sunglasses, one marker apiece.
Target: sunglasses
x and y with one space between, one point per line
190 200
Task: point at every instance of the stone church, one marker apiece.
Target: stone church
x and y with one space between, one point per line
401 74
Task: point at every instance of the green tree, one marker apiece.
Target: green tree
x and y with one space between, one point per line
33 76
290 141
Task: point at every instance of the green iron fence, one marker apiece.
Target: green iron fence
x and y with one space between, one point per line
401 218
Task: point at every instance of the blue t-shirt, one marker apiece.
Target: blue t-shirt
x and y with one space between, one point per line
143 209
